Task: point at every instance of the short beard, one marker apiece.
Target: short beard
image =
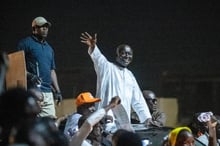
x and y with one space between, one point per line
120 63
39 37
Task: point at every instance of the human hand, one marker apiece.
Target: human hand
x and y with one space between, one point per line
115 101
58 98
149 122
212 130
212 123
87 39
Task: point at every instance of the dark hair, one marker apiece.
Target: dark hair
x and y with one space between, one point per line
13 104
15 109
46 128
84 107
197 126
126 138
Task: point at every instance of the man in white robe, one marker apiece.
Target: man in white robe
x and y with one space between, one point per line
114 79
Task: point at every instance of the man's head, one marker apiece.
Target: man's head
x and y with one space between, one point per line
124 137
17 104
181 136
124 55
17 107
85 103
150 99
40 27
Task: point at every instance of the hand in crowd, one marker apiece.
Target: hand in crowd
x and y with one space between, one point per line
212 126
58 98
87 39
150 122
115 101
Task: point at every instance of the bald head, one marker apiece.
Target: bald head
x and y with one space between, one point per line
148 94
124 55
150 99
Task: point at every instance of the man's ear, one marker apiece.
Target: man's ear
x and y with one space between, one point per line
33 30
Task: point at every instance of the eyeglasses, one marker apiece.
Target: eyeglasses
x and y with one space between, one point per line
153 100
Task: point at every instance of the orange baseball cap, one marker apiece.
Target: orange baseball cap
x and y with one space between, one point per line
86 97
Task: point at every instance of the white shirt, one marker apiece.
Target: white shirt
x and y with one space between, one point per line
113 80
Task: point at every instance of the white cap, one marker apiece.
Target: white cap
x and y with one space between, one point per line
39 21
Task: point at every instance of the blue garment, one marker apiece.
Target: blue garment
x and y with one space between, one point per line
71 126
39 58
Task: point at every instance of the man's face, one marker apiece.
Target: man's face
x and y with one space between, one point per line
88 108
151 101
41 31
124 56
152 104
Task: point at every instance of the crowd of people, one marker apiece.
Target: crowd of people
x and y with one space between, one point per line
28 116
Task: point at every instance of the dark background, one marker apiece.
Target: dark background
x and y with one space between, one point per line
176 43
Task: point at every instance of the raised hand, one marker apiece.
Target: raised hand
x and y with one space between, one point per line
115 101
87 39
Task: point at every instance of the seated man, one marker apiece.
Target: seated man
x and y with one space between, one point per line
158 117
85 103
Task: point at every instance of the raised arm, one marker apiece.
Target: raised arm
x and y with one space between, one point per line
212 133
90 41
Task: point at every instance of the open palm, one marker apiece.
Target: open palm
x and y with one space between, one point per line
87 39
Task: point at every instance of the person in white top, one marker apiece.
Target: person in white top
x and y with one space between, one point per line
114 79
85 105
79 139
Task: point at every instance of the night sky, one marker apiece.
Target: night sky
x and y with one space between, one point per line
168 37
